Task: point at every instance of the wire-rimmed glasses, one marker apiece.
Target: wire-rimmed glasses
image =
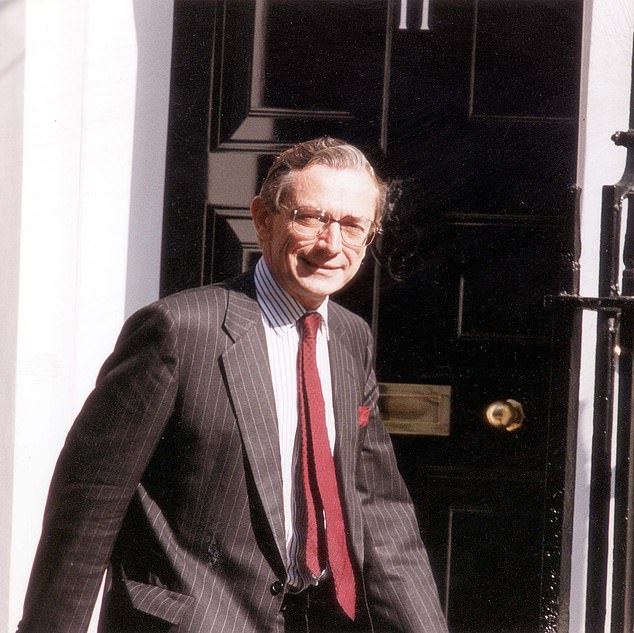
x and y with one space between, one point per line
312 222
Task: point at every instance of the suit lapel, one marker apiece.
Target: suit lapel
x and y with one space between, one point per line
251 389
249 380
344 370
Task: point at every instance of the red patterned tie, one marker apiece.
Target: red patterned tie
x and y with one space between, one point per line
319 478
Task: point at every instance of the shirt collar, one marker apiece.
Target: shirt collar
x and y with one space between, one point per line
278 307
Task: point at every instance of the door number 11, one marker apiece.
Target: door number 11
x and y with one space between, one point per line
424 20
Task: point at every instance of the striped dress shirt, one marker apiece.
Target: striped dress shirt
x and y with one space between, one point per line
280 313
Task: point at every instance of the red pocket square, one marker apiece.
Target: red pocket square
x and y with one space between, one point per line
363 414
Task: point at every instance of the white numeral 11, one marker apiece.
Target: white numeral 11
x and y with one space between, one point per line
424 20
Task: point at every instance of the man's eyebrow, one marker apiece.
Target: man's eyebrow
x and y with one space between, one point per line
348 215
352 216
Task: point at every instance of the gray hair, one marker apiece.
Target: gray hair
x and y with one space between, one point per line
327 151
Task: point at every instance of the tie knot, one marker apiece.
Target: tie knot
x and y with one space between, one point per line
311 322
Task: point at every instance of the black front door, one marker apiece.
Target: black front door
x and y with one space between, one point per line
470 109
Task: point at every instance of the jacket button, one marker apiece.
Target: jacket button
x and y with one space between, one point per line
277 587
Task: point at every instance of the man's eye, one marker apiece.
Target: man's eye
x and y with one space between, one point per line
355 227
309 218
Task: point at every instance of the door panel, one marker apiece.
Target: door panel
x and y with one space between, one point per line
331 85
474 124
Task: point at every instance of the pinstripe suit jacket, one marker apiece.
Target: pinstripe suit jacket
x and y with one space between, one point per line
170 477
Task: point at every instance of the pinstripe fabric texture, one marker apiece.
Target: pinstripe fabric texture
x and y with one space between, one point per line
171 478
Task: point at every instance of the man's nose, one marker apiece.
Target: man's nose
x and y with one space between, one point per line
331 236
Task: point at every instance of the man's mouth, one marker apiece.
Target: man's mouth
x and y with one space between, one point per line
320 265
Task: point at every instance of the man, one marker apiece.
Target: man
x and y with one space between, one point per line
230 468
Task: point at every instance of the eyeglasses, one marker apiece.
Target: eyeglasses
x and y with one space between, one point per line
313 222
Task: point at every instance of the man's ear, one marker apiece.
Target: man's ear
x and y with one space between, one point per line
261 213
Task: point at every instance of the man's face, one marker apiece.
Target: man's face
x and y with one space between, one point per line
312 268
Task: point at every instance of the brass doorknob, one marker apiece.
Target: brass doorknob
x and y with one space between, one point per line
506 415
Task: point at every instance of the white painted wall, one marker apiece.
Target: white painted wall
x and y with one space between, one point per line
91 127
12 36
608 33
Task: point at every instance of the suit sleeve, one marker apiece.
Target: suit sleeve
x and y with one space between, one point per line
98 470
398 581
